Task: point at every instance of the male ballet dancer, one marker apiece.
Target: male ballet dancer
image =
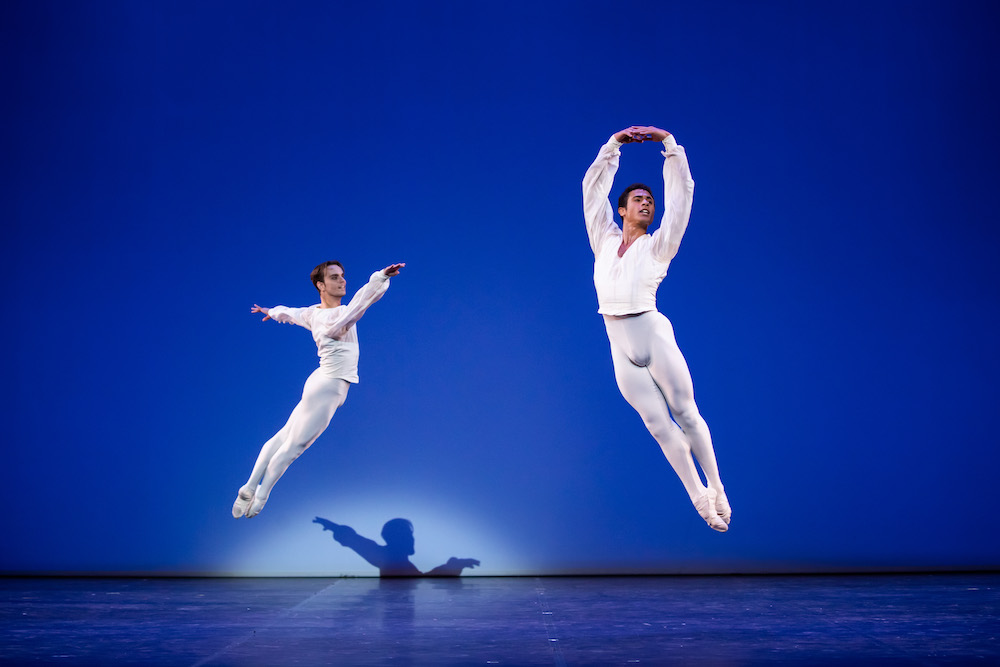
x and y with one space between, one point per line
332 327
629 264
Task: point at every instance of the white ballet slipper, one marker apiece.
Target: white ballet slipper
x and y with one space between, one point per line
706 508
722 507
243 500
256 506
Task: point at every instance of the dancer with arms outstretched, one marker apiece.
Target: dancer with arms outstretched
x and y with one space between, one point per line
629 264
333 328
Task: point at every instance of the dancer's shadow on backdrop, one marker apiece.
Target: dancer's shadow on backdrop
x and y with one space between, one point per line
393 559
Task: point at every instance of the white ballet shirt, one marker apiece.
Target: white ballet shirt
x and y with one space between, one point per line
334 329
627 285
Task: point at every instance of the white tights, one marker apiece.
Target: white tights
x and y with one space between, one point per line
654 378
321 397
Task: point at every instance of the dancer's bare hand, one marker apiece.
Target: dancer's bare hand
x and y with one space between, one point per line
393 270
258 309
626 135
652 133
640 133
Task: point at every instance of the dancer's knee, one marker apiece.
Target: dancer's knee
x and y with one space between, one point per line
292 451
657 428
686 414
298 448
666 434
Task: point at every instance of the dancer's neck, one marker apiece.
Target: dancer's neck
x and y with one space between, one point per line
327 301
631 232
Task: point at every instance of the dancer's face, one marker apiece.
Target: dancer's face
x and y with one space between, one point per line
639 209
334 282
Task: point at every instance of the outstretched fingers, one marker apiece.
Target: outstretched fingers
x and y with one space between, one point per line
393 269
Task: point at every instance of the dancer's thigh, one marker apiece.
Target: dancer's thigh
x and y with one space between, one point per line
299 415
667 366
321 397
637 386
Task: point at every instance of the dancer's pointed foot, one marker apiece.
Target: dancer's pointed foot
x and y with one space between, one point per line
243 500
256 506
722 506
706 508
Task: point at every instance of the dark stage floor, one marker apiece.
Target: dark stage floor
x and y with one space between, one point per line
718 620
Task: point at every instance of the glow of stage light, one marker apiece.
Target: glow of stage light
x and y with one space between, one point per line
290 544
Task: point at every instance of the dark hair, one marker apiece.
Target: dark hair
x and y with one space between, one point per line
319 273
623 199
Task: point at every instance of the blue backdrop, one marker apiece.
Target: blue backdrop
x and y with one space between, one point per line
167 164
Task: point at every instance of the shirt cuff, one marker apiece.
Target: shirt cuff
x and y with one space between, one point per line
670 142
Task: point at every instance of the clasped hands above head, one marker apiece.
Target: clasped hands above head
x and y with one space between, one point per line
640 133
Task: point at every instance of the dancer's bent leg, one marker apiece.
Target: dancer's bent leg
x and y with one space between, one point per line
321 397
247 492
637 385
670 371
641 393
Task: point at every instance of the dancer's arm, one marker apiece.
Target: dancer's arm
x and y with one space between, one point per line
678 195
362 300
300 316
597 182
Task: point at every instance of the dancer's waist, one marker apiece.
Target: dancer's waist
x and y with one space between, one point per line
625 316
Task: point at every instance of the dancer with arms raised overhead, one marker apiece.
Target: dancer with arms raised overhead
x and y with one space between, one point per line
629 264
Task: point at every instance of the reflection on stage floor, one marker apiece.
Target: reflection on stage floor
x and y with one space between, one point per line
899 619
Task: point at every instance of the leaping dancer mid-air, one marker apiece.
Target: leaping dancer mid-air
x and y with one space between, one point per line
629 264
333 328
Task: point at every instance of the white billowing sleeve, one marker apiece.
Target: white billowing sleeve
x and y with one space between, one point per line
597 182
678 195
373 290
285 315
